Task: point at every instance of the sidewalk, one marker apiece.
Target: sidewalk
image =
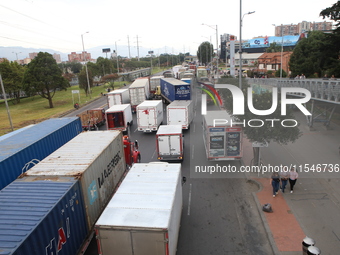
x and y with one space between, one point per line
314 207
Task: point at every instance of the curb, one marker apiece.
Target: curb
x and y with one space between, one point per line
263 219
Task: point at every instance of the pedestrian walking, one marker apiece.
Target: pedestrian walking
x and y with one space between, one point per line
275 182
284 175
293 175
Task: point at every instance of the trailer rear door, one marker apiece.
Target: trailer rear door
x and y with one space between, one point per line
177 116
175 144
132 242
164 145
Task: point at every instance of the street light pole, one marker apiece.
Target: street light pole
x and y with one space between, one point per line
281 51
117 56
218 70
240 45
87 73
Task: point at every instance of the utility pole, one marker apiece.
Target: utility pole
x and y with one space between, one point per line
129 46
137 48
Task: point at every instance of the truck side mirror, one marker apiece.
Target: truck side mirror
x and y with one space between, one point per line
184 179
136 144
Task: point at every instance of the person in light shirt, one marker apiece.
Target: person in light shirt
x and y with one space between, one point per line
293 175
284 174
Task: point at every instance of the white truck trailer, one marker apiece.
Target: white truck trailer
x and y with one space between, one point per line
222 139
170 143
119 117
149 115
119 96
139 92
143 217
180 112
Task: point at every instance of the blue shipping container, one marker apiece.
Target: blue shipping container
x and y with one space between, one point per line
42 217
21 151
174 89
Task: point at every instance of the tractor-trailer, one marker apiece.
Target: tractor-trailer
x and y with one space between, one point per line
96 159
155 81
119 117
222 140
119 96
149 115
92 119
170 143
42 216
143 217
139 92
180 112
24 149
173 89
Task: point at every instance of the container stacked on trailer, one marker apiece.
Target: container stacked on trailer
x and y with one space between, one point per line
24 149
53 207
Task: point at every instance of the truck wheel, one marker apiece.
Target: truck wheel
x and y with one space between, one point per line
138 159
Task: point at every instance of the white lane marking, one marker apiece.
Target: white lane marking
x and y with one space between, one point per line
153 153
192 150
189 203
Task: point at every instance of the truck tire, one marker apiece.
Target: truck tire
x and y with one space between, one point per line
138 159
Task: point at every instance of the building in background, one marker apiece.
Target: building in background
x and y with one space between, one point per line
79 57
302 27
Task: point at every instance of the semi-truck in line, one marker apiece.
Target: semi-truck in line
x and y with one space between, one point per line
143 217
92 119
170 143
149 115
172 89
119 96
180 112
139 92
119 117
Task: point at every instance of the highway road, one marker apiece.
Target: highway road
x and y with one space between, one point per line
219 214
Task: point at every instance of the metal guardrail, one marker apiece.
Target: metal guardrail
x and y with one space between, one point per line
322 90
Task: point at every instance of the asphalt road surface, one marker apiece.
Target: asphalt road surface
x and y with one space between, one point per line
219 214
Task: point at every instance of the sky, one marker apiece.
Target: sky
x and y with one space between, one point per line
160 26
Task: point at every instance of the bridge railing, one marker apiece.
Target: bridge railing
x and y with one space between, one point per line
323 90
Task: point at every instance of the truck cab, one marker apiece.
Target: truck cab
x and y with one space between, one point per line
131 152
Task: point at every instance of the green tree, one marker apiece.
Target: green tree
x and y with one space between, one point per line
333 13
314 54
44 77
105 66
82 77
12 75
94 68
270 131
205 52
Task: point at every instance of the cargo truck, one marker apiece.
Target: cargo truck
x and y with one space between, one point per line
139 92
180 112
173 89
96 159
22 150
92 119
155 81
170 143
201 71
149 115
42 216
119 117
143 217
64 196
222 140
119 96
